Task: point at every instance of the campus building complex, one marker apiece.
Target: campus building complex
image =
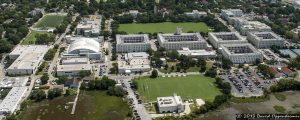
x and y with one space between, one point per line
217 39
170 104
180 40
72 66
196 14
265 39
27 59
84 47
254 26
134 63
197 53
12 100
241 53
90 26
226 14
132 43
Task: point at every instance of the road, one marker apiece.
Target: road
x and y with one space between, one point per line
2 69
141 110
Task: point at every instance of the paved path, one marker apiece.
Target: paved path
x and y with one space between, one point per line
75 101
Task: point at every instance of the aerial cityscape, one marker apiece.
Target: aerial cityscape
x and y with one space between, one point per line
149 59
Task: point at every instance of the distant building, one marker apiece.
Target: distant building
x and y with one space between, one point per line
296 4
196 14
134 63
219 38
134 13
12 100
197 53
251 26
170 104
27 59
89 27
84 47
265 39
241 53
181 40
132 43
226 14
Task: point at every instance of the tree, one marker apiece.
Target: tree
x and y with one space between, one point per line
61 79
154 74
211 73
55 92
116 91
226 63
84 73
37 95
45 78
50 54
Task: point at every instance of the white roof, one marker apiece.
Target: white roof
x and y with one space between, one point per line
85 44
74 67
13 98
169 101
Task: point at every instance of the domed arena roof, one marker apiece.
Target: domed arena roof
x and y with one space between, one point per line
84 44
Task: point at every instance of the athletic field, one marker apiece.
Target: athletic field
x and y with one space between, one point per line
189 87
50 21
165 27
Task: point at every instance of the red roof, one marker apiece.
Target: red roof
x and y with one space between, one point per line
286 70
273 70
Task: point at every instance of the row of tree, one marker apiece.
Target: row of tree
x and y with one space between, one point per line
39 95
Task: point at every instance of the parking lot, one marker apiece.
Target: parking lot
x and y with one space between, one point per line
139 111
246 82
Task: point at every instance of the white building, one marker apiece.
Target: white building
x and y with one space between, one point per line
12 100
10 82
241 53
72 69
180 40
71 39
134 63
170 104
219 38
197 53
89 26
296 4
84 47
132 43
265 39
27 59
134 13
196 14
254 26
226 14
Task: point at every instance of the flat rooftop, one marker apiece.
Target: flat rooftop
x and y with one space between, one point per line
226 36
183 37
75 60
189 52
239 48
29 61
169 101
24 49
12 99
135 60
132 39
10 82
74 67
266 36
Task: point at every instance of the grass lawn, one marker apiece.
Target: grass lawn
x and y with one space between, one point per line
30 39
165 27
279 97
92 105
189 87
280 109
50 21
191 69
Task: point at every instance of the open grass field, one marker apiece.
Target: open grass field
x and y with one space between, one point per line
50 21
280 109
209 64
30 39
165 27
92 105
189 87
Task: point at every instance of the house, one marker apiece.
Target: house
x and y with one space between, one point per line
287 71
274 71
